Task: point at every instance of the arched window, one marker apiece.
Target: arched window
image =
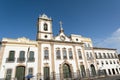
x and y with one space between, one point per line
70 54
64 53
93 71
83 73
31 56
58 56
45 27
79 54
66 71
22 56
11 56
46 53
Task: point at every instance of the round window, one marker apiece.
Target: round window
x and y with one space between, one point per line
45 36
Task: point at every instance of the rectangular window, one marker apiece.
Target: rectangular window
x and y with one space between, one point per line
30 71
104 55
64 54
11 56
96 55
100 56
87 55
8 74
46 54
21 56
58 54
70 55
112 55
113 71
108 55
31 56
117 71
79 54
115 55
109 71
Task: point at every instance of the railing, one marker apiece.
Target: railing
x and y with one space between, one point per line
88 75
31 59
10 60
88 48
20 59
100 75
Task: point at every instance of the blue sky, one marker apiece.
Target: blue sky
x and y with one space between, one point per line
97 19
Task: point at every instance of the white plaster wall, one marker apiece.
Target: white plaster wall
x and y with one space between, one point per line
12 65
43 36
58 62
108 66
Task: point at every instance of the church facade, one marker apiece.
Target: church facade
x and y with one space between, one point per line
58 57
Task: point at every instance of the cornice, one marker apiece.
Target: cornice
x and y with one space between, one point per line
58 42
44 32
104 48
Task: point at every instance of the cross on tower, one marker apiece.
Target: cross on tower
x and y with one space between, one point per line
61 25
61 29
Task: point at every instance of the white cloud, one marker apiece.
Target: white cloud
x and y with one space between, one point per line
110 42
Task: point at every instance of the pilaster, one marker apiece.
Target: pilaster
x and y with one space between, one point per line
39 61
52 60
1 54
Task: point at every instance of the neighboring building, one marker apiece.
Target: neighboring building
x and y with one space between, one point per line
55 57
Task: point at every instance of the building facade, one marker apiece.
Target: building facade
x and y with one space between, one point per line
58 57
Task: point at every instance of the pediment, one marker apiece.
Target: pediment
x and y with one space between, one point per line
62 37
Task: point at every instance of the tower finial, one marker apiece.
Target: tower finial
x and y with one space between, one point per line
61 28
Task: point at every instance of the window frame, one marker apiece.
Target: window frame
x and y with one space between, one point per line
70 53
31 56
64 53
45 27
9 75
58 54
30 71
46 53
11 57
79 54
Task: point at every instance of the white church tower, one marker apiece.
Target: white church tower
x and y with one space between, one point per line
44 28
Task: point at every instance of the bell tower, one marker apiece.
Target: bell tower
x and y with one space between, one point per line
44 28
